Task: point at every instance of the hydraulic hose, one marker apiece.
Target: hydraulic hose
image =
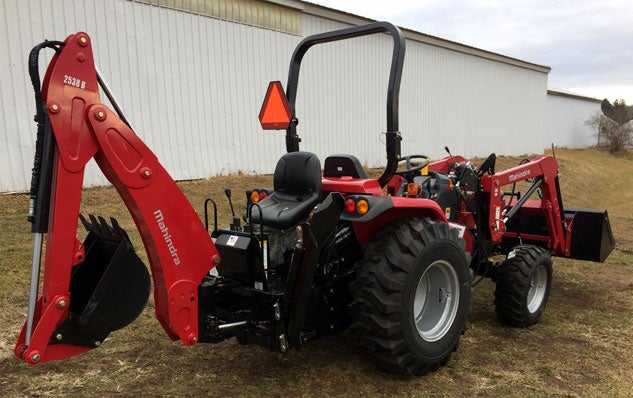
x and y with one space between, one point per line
41 173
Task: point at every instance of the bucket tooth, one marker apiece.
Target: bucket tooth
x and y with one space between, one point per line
85 222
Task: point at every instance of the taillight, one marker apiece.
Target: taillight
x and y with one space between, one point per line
358 206
257 195
350 205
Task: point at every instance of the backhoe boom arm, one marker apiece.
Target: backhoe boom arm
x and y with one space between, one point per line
178 246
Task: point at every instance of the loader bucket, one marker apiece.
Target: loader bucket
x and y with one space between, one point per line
591 235
108 290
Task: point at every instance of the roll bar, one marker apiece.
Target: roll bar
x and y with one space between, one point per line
393 89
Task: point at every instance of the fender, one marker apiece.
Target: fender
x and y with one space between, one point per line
383 209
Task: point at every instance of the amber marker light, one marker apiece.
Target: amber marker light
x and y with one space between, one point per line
254 196
362 207
412 189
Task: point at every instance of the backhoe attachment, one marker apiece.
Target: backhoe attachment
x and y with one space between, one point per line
94 287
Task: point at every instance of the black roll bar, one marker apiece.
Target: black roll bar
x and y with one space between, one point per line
393 89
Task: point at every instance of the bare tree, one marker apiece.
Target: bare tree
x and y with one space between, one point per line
614 126
616 136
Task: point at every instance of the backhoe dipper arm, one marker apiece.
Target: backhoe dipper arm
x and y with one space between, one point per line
179 249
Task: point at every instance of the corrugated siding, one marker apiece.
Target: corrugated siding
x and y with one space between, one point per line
566 121
473 105
342 93
192 87
250 12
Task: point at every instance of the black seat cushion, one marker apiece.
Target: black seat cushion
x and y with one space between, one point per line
343 166
297 188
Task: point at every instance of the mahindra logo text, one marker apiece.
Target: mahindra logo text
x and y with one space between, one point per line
163 228
520 174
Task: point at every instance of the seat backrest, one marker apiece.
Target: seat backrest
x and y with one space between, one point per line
298 173
343 166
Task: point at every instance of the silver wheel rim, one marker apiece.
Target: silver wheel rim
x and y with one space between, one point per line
538 284
436 300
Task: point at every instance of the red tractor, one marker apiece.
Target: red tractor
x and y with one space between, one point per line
322 251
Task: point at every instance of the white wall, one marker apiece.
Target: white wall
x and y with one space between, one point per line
566 119
192 87
473 105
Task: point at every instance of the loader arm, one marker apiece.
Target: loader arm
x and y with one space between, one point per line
178 246
543 171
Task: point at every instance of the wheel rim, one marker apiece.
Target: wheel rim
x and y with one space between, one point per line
538 285
436 300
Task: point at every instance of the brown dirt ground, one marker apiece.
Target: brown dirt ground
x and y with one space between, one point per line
582 347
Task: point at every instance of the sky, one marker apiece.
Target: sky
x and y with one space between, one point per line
587 43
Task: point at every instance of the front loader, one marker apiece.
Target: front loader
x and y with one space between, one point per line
511 235
324 250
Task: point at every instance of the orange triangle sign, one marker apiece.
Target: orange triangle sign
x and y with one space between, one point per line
275 113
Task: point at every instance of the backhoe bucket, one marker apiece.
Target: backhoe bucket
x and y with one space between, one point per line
108 290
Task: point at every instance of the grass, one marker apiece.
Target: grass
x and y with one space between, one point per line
581 347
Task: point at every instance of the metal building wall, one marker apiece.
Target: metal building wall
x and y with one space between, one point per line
447 98
566 120
192 87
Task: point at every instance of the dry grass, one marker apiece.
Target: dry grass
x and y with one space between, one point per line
582 346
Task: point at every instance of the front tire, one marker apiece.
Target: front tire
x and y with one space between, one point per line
412 296
523 282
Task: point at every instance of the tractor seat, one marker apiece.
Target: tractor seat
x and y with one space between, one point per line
297 189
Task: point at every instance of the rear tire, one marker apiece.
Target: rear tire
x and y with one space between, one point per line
523 282
412 296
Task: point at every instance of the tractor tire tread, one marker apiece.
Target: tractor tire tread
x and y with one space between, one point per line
378 290
513 280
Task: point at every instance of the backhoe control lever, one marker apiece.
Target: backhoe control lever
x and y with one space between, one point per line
235 224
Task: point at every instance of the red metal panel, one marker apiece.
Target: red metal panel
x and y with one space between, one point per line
351 185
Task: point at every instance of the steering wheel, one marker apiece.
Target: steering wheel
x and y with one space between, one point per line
411 171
